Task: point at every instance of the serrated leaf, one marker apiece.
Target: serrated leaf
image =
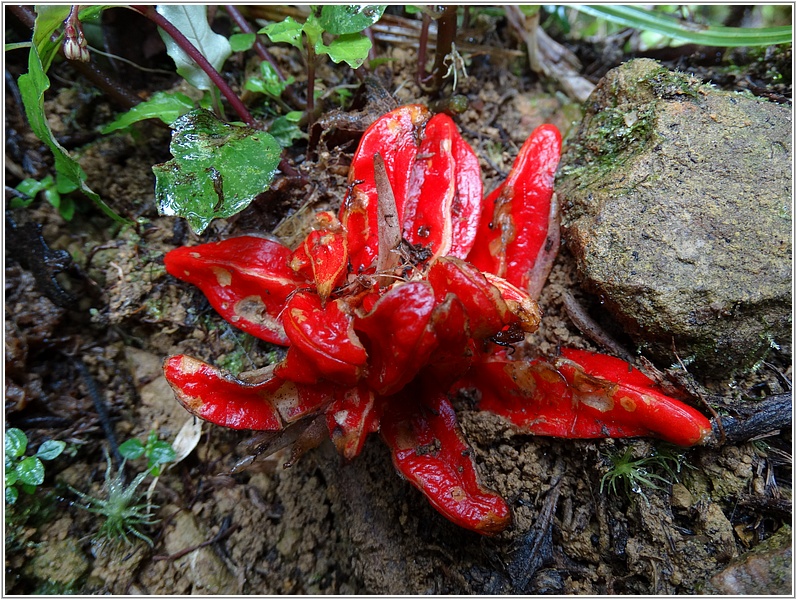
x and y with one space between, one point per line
217 169
287 31
340 19
166 106
50 449
30 471
131 449
69 174
352 49
192 21
16 442
241 42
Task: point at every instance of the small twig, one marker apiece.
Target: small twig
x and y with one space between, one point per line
224 533
99 405
771 415
388 221
589 327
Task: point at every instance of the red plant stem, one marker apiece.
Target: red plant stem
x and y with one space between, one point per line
310 86
184 43
423 41
244 25
446 32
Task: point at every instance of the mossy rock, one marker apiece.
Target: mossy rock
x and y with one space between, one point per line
677 207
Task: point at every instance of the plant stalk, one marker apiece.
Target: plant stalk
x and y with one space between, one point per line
184 43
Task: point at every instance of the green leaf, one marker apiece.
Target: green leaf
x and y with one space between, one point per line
217 169
11 477
287 31
131 449
69 175
241 42
11 495
339 19
30 470
350 48
50 449
657 22
285 130
192 21
270 83
161 452
166 106
16 442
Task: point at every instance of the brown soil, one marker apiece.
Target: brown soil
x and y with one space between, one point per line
324 526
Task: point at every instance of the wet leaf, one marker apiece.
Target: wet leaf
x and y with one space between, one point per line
287 31
350 48
30 470
349 18
192 21
217 169
16 443
50 449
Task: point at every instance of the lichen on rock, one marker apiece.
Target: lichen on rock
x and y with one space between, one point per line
677 207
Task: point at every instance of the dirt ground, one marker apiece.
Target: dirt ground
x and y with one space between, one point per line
95 334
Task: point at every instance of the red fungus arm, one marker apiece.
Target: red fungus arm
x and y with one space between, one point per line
216 396
246 280
515 223
323 342
435 179
430 451
568 400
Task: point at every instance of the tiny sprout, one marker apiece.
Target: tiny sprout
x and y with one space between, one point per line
122 512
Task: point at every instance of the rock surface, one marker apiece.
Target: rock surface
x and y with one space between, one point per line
677 207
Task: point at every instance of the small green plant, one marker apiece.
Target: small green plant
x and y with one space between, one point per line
26 472
157 452
634 475
345 22
122 507
30 188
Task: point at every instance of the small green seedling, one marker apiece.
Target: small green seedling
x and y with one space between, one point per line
634 475
157 452
122 508
26 472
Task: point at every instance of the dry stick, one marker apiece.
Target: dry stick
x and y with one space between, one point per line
547 252
591 329
99 405
217 538
387 221
185 44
